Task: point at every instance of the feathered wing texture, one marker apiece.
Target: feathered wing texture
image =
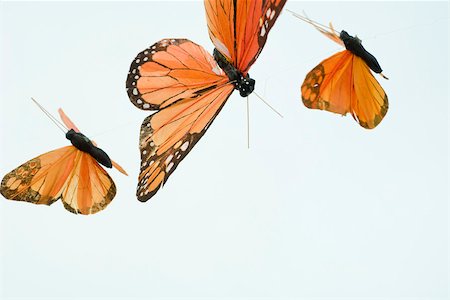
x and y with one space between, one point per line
168 135
66 173
68 122
343 84
184 82
239 29
371 102
168 71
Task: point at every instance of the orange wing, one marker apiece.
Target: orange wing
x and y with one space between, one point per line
168 135
185 83
371 102
344 84
66 173
239 29
171 70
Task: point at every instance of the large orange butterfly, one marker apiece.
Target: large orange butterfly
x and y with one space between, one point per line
343 83
188 87
71 173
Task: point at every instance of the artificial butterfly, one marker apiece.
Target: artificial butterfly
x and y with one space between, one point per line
188 87
343 83
71 173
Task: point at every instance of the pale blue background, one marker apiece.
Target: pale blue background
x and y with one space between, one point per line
318 208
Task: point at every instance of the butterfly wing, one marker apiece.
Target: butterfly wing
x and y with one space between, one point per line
370 103
89 188
344 84
68 122
183 81
168 71
41 179
168 135
60 174
239 29
328 85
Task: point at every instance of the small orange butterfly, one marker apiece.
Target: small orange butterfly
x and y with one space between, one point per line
71 173
188 87
343 83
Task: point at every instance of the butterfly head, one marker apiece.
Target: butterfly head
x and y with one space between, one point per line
244 84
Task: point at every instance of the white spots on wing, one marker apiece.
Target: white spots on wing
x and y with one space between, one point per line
148 124
145 52
144 152
169 167
164 43
138 60
135 91
268 12
136 77
153 51
263 31
151 163
172 41
153 47
272 15
145 58
152 144
168 159
138 101
184 146
146 105
134 71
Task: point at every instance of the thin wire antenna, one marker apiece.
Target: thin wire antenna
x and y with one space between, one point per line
265 102
58 124
248 123
314 23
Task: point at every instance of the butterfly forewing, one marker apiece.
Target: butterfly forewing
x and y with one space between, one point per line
328 85
239 29
168 71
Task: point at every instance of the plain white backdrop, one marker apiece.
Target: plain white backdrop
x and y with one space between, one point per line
318 207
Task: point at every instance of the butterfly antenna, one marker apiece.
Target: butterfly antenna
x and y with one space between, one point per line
314 23
265 102
382 75
51 117
248 123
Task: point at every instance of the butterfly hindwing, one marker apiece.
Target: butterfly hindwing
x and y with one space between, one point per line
370 102
89 188
168 135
